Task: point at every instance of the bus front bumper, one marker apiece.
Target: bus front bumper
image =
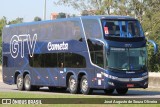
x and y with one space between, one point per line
112 82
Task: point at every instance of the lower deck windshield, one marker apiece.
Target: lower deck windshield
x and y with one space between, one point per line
127 58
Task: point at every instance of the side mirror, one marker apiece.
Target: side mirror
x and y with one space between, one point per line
155 46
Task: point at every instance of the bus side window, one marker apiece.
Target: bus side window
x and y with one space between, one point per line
73 60
96 52
5 61
61 60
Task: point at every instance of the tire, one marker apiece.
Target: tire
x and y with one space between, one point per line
27 83
20 82
122 91
84 86
73 85
109 91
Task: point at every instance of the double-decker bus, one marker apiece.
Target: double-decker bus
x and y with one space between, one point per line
79 54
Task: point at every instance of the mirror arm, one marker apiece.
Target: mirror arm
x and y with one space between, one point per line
155 46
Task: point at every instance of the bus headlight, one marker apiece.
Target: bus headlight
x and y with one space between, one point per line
111 83
109 76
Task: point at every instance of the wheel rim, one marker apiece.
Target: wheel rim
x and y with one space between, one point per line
72 84
27 83
20 82
84 85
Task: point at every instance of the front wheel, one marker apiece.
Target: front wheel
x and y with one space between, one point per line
84 86
122 91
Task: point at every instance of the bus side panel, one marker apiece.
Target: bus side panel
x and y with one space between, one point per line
8 69
44 76
8 75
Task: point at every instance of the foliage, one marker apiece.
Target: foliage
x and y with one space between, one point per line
151 25
16 21
61 15
100 6
85 13
3 22
37 18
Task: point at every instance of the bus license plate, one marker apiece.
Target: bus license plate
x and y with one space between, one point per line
130 85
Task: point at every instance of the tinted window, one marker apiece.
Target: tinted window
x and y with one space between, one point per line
61 60
92 28
51 60
43 60
5 61
96 52
74 61
68 29
120 28
97 58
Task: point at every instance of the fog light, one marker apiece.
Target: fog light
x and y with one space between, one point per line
145 83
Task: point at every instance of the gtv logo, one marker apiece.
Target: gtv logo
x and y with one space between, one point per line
17 44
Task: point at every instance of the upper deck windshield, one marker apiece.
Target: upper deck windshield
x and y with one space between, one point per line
122 28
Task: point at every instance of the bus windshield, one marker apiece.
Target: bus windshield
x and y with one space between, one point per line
127 58
122 28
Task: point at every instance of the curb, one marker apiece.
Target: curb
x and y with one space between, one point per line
154 80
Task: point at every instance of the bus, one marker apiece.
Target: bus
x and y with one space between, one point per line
79 54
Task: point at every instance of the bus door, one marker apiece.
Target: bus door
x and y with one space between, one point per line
61 70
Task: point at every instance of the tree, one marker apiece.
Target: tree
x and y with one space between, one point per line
100 6
84 13
151 26
16 21
73 15
3 22
37 18
120 7
61 15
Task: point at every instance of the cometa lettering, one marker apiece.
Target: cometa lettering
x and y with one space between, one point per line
62 46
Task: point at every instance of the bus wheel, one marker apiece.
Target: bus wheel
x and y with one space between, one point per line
84 86
108 91
73 85
20 83
27 83
122 91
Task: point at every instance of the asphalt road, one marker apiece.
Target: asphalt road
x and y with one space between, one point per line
132 93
